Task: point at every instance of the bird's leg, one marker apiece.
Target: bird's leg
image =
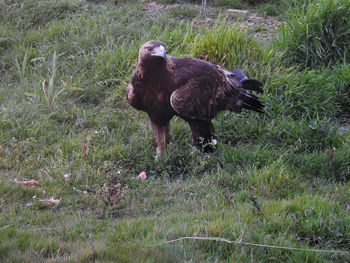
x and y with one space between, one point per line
202 134
162 135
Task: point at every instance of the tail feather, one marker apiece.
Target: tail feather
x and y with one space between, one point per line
252 84
239 80
252 102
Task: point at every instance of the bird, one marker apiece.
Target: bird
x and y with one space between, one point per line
195 90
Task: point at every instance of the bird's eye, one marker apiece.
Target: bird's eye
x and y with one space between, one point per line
149 49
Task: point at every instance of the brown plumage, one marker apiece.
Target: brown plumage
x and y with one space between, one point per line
193 89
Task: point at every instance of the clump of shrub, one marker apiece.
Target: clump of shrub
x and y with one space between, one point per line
317 34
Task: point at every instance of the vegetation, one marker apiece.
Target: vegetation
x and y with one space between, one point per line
280 179
318 34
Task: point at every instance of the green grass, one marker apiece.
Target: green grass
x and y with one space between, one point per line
279 179
263 7
317 34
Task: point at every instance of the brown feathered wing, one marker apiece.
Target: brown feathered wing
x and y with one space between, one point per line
206 89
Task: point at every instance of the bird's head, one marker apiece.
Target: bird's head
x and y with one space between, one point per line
153 51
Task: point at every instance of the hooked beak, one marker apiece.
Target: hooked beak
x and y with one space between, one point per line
159 52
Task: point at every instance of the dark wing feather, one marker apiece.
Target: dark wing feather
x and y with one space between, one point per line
190 103
252 102
205 89
240 83
199 87
252 84
237 75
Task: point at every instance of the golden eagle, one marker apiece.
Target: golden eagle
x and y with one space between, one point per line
193 89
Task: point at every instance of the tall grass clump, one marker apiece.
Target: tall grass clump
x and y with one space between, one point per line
310 94
228 46
317 34
342 83
225 43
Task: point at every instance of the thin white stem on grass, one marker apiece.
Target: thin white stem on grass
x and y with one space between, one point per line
219 239
4 227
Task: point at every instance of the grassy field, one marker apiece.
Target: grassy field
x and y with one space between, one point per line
280 179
